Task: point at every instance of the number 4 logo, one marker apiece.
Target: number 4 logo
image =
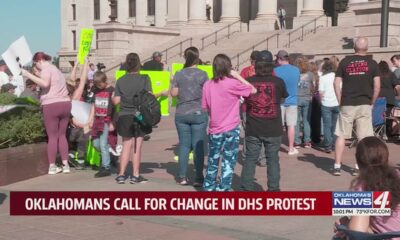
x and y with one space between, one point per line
381 199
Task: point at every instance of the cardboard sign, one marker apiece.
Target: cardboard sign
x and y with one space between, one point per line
85 44
160 81
81 111
17 55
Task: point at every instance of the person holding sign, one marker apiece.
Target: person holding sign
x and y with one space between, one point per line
190 120
128 127
56 109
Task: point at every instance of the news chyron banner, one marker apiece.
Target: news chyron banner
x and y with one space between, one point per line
171 203
202 203
361 204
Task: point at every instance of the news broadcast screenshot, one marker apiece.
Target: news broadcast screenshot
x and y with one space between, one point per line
200 119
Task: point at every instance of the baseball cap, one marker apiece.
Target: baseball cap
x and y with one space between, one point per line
157 54
6 87
264 56
282 54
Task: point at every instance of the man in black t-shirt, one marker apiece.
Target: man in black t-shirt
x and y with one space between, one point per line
264 123
357 86
155 64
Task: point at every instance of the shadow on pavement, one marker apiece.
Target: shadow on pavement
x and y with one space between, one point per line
323 163
3 197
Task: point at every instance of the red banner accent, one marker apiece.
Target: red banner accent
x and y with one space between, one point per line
171 203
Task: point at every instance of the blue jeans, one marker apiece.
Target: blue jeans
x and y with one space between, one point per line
101 145
329 118
253 147
192 135
227 145
303 115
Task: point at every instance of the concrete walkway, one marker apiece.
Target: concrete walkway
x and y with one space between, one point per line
309 171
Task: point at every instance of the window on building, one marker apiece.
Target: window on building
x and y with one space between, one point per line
132 8
96 9
151 7
74 12
74 39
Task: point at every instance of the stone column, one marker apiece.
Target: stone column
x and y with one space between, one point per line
123 13
312 8
267 9
348 18
141 12
161 13
230 10
266 16
197 11
177 12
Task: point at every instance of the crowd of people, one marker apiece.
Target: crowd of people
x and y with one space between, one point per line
273 95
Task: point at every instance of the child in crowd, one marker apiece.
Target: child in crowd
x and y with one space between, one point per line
376 174
101 120
263 124
78 133
221 99
128 126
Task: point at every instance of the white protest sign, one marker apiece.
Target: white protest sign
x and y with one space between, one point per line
17 55
81 111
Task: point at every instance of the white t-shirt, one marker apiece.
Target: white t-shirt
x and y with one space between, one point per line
326 88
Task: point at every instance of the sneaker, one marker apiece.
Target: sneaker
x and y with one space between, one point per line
103 172
297 146
182 181
66 169
355 172
198 184
336 172
139 179
307 145
294 151
327 150
120 179
113 152
80 166
54 170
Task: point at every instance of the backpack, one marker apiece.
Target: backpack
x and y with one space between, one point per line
148 109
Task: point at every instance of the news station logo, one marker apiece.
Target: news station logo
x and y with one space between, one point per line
361 204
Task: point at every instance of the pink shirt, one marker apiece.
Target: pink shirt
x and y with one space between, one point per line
383 224
57 90
221 100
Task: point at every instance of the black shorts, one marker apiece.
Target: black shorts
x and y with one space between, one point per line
127 127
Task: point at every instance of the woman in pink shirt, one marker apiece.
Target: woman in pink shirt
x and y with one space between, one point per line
376 175
56 106
220 99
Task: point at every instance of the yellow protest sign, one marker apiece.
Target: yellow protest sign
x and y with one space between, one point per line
85 44
160 81
119 74
176 67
